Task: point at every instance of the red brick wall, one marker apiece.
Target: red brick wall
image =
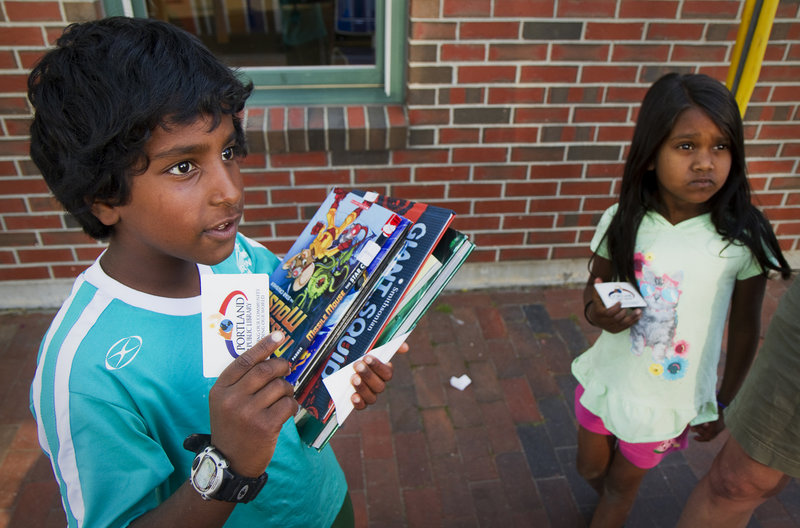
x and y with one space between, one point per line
519 115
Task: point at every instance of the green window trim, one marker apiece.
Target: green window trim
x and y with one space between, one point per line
382 83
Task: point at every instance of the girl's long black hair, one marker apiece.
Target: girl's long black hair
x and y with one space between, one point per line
735 218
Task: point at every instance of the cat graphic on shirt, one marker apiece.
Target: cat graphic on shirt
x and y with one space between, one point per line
656 328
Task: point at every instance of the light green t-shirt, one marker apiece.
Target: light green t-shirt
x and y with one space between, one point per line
649 382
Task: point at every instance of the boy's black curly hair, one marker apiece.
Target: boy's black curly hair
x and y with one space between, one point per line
98 95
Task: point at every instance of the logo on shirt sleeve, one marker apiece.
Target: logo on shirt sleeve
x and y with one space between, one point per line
123 352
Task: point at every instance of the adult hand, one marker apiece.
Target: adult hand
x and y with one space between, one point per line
370 379
249 403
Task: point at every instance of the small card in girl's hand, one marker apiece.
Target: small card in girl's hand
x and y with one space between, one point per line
625 293
235 311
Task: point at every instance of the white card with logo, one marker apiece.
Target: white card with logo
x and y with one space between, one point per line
625 293
235 311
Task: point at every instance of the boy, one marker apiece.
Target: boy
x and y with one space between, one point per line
137 132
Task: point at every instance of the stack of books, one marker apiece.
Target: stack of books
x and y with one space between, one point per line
430 255
363 271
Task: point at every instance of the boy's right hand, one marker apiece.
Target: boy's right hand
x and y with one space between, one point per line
614 319
249 403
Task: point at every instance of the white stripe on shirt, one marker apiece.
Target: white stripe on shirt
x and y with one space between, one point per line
66 461
36 386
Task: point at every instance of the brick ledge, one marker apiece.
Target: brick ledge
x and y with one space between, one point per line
356 128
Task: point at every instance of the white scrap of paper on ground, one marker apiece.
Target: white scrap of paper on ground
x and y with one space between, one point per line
338 383
461 382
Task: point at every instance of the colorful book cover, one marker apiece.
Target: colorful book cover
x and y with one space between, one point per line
335 325
429 224
332 256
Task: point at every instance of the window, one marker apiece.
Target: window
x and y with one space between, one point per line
297 51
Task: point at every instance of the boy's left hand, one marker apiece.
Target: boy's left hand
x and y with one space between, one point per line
708 431
370 379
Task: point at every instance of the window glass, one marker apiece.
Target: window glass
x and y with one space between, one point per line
297 51
277 33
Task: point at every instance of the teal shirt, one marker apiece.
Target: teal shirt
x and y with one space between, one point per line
649 382
119 385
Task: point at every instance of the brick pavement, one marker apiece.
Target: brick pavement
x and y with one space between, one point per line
500 453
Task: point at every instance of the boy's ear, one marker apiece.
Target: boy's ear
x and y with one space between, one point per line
107 214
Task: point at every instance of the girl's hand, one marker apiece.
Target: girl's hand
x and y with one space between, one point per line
709 430
614 319
370 379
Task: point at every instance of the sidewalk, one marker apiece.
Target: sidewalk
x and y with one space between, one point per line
500 453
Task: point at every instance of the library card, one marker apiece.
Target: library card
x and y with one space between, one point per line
624 293
235 311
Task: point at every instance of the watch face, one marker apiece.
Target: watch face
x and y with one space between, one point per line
204 474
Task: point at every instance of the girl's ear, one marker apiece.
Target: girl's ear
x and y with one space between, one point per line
107 214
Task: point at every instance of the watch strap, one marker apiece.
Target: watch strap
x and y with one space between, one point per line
240 489
196 442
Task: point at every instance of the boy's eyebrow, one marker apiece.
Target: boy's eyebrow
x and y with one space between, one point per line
182 150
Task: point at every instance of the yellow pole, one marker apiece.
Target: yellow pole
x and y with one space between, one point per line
748 52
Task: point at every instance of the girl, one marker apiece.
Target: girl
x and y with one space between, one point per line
684 231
